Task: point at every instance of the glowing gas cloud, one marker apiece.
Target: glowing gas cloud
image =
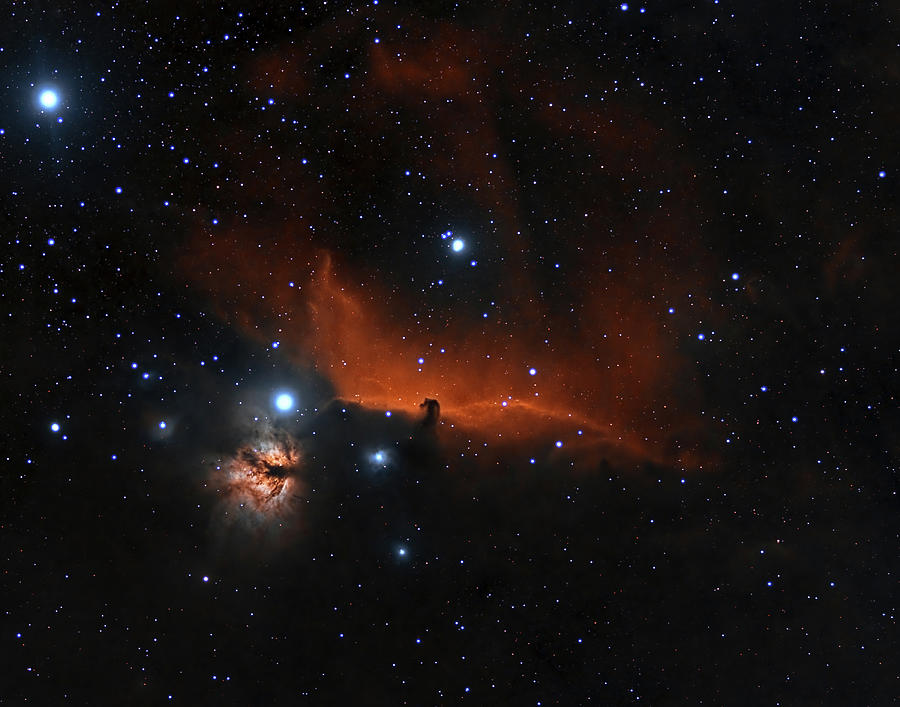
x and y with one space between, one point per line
260 481
611 379
576 339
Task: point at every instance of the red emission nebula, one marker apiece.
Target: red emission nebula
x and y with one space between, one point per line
614 378
597 363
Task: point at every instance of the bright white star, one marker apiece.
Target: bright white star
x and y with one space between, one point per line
457 245
284 402
48 98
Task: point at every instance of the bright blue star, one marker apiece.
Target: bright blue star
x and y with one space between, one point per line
284 402
54 427
48 98
458 245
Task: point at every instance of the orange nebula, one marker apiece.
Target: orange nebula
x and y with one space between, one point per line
604 354
612 373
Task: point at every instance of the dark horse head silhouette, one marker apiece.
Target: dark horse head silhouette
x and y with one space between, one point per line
432 412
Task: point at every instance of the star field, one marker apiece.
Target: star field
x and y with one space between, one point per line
396 353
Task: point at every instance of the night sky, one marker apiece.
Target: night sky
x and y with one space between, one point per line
433 353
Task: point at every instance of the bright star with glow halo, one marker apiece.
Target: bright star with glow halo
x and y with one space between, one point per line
284 402
48 98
